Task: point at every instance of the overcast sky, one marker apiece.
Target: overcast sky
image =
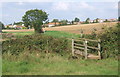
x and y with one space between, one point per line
13 11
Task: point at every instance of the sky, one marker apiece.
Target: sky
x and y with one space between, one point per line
13 11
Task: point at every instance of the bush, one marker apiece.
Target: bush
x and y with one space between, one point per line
109 41
7 35
36 43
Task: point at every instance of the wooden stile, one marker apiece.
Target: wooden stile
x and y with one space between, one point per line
85 47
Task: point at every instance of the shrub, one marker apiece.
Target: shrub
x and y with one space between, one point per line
36 43
7 35
109 41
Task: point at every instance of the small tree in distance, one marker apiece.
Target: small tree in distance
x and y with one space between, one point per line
77 19
119 18
55 21
35 18
1 26
87 21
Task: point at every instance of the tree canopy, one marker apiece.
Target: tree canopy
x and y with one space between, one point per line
35 18
63 22
1 25
17 23
119 18
76 19
55 21
87 20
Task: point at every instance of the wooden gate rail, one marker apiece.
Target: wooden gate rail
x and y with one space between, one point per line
85 46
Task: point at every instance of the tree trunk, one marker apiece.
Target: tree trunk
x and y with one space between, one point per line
38 29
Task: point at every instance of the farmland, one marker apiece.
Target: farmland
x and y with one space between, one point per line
87 28
40 63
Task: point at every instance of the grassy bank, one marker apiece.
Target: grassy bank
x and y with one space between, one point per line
55 64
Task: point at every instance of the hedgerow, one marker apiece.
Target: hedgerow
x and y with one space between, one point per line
36 43
109 40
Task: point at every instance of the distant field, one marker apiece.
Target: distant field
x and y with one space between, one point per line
87 28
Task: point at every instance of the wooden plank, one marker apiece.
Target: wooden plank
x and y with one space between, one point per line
78 44
99 48
78 40
85 43
79 47
92 56
72 47
93 47
79 52
88 39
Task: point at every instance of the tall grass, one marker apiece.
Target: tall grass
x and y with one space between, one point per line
56 64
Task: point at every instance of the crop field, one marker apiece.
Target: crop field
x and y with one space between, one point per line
87 28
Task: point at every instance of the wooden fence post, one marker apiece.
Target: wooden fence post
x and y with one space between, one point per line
47 47
99 48
85 42
72 47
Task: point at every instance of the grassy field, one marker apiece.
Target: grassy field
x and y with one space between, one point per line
55 64
50 33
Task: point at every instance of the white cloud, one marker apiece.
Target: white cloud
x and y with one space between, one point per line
84 5
26 0
116 6
71 5
20 3
39 0
60 6
5 15
59 0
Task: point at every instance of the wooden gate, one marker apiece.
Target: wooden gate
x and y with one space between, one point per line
83 48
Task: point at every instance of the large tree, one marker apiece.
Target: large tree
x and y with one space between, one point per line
35 18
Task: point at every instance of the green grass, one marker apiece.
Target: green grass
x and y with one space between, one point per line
61 34
50 33
55 64
21 33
